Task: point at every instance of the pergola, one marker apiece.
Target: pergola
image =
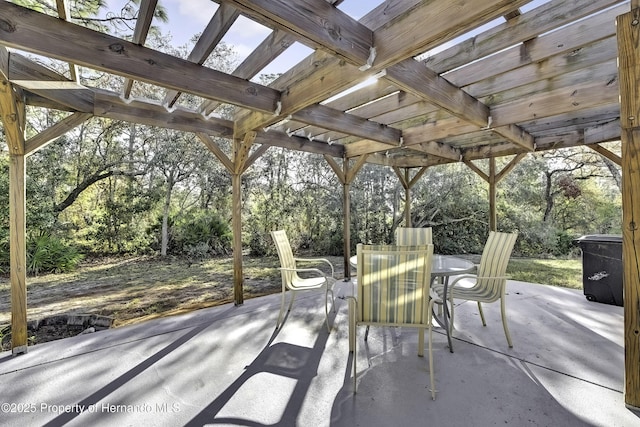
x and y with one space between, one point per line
563 74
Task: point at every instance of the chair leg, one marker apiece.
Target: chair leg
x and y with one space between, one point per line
421 342
430 351
451 311
326 310
353 338
282 304
284 298
504 321
484 323
431 373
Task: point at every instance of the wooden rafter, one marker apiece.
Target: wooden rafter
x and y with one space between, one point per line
140 32
117 56
222 20
65 14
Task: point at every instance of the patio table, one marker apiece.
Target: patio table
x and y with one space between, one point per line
443 267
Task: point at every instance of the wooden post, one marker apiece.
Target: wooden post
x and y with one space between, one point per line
346 175
12 113
407 207
346 220
238 293
241 149
407 198
242 159
493 216
628 30
18 254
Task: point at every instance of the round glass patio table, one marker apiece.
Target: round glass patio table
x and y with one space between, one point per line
443 267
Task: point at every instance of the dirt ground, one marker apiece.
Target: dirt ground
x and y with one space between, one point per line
115 292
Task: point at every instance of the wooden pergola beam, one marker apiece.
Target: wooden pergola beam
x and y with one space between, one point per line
344 36
64 14
140 32
63 126
270 48
111 54
218 26
606 153
629 74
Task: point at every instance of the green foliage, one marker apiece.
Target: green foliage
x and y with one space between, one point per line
200 234
296 192
49 254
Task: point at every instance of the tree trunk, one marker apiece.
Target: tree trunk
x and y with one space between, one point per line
165 218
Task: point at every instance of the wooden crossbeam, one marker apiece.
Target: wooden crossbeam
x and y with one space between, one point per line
117 56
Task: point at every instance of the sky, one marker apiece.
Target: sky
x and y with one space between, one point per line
190 17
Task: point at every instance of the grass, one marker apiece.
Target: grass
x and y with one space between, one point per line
136 289
555 272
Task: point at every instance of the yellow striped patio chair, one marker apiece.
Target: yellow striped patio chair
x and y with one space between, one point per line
393 290
413 236
490 283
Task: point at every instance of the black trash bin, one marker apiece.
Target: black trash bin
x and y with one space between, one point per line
602 267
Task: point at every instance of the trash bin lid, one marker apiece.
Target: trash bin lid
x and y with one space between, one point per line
599 238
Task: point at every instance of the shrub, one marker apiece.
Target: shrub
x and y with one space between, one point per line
200 234
49 254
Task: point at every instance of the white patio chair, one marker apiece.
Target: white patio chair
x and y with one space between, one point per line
292 282
490 282
393 290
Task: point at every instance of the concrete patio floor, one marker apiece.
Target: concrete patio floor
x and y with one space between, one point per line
227 366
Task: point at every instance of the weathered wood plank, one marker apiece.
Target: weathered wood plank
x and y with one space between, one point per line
272 46
320 23
606 153
64 13
34 32
68 95
433 22
241 151
218 26
10 108
327 117
413 77
321 75
18 252
563 41
140 32
629 68
527 26
42 81
236 219
546 69
579 97
111 106
277 139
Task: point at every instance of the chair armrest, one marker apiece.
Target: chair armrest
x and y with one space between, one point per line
460 277
324 260
471 276
305 270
